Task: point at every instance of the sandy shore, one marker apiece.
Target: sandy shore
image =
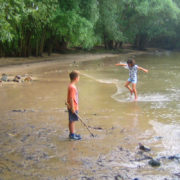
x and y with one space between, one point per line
18 65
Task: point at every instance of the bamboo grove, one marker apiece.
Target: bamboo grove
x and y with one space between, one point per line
31 27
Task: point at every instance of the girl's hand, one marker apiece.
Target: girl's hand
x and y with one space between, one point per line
120 64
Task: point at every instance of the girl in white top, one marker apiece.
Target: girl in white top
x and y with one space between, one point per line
133 69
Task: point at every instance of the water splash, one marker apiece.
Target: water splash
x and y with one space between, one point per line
123 95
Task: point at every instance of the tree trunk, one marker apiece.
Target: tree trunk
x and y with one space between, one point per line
50 46
1 50
63 45
37 48
118 45
110 44
140 41
41 45
28 48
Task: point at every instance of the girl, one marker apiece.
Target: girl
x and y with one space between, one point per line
133 68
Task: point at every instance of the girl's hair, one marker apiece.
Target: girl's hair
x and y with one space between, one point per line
73 75
131 61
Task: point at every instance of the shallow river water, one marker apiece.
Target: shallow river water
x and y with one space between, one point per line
33 123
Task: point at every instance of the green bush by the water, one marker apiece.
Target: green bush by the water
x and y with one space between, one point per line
30 27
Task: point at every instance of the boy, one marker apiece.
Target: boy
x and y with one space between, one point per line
72 104
133 68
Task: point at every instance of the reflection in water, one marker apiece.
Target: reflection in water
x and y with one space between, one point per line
33 125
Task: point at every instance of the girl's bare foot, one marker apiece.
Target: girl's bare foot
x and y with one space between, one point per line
131 91
136 99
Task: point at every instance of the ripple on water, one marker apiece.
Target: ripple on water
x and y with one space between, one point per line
170 134
125 97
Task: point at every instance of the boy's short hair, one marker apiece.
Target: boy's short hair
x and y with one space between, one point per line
131 61
73 75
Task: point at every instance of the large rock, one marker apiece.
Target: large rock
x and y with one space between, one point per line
27 78
4 77
17 78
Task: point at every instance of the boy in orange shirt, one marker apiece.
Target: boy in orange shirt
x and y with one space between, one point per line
72 102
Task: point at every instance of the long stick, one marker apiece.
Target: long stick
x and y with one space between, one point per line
82 121
84 124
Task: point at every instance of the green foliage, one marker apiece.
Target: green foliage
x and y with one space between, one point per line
72 27
29 27
150 19
108 25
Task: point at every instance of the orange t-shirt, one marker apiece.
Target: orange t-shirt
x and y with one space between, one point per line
73 93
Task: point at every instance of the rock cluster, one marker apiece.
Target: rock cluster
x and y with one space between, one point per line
16 78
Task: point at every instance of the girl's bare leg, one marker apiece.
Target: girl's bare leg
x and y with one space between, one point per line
127 86
134 91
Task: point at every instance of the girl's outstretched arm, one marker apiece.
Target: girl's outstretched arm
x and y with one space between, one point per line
142 69
120 64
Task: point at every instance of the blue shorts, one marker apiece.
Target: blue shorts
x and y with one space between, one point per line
133 81
72 116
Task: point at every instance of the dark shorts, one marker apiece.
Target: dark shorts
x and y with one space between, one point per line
72 116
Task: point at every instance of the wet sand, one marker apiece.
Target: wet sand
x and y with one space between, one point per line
33 126
8 65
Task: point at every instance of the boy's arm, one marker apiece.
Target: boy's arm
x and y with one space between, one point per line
142 69
120 64
72 105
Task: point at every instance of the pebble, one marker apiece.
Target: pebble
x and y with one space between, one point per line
25 137
118 177
154 163
144 148
87 178
177 157
177 174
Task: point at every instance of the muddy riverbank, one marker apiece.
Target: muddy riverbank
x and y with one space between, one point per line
33 120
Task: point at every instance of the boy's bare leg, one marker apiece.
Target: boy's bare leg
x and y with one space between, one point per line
134 91
127 86
72 127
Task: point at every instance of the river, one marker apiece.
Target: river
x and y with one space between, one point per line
33 125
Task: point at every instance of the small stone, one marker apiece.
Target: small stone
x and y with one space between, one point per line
17 110
154 163
98 128
25 137
87 178
118 177
177 174
174 157
18 76
144 148
158 137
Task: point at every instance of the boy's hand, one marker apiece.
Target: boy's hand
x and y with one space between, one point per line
73 111
146 71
